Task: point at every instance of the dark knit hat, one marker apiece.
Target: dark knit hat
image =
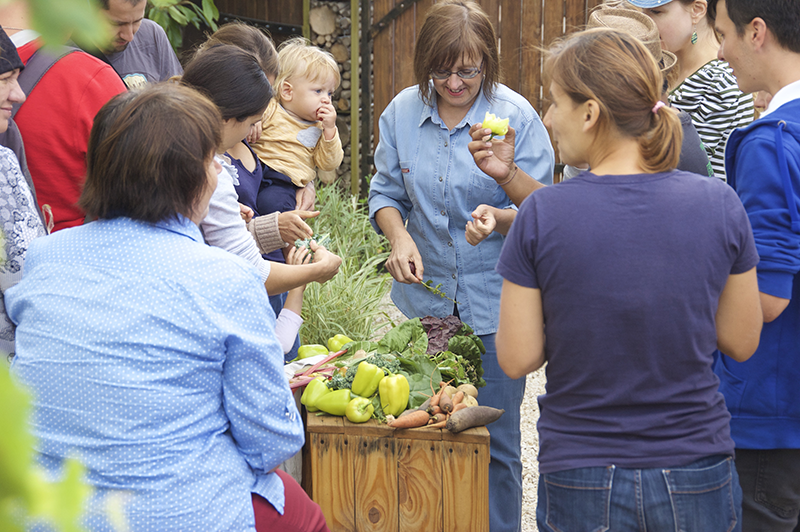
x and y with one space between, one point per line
9 58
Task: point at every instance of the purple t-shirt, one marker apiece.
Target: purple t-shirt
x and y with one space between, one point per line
630 270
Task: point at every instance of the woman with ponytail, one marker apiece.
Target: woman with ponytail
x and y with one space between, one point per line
641 272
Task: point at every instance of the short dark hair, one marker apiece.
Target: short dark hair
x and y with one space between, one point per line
148 153
232 78
104 3
782 18
450 29
247 38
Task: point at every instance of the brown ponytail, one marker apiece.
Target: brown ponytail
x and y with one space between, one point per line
661 146
619 73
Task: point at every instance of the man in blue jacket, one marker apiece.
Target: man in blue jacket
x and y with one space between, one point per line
761 41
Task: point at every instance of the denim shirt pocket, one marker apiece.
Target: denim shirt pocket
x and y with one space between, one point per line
407 174
484 190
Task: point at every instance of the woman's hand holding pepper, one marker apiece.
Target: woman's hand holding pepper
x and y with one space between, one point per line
495 157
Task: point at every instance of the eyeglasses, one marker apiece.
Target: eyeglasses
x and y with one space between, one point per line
464 73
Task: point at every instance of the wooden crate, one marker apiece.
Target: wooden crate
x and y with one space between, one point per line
368 477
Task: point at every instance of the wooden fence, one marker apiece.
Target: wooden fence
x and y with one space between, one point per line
523 28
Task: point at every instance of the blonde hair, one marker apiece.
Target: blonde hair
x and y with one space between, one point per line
299 58
452 29
614 69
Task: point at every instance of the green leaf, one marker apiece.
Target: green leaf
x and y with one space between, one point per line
177 16
16 445
209 10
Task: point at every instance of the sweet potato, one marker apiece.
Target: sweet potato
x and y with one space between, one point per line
476 416
418 418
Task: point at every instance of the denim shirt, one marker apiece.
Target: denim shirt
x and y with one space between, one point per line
427 173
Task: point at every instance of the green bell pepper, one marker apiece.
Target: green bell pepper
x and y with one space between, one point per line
367 378
359 410
311 350
315 389
335 343
394 391
334 403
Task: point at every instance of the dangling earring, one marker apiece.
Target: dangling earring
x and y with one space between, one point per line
694 35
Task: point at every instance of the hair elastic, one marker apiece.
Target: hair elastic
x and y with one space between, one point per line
659 104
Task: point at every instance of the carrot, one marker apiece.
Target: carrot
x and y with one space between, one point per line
446 403
411 411
418 418
426 404
439 425
435 399
459 406
475 416
434 410
458 397
438 418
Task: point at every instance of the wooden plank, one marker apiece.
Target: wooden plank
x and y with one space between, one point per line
405 35
332 484
324 424
511 40
376 491
553 17
575 11
465 486
492 8
419 485
371 428
383 66
530 56
473 435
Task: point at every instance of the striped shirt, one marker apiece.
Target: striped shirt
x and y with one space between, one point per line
713 99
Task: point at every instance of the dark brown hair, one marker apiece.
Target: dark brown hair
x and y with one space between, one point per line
452 29
250 39
614 69
148 153
232 78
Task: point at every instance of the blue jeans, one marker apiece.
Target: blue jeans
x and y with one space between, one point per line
701 497
770 481
505 468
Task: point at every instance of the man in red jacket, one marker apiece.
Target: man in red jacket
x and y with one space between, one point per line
57 116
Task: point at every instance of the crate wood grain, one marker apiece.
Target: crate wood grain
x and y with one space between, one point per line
371 478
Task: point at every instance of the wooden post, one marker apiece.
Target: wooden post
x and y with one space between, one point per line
355 97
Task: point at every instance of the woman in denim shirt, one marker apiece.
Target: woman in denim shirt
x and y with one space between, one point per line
424 193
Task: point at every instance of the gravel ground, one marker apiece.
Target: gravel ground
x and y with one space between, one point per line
530 438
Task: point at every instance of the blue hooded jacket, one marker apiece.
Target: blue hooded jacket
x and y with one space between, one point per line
763 394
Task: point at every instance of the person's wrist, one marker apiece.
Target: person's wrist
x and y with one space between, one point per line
510 176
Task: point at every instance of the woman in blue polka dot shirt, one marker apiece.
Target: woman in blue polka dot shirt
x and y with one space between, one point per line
151 356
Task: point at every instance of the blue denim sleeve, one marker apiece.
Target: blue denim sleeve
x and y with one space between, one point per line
387 188
534 152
